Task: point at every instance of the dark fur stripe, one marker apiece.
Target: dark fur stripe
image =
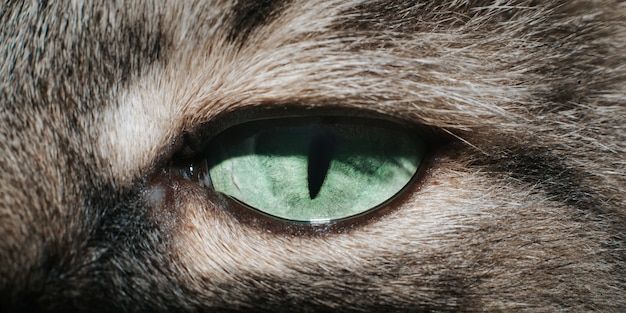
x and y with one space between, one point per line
249 15
549 173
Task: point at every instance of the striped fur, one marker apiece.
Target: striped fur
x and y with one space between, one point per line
522 208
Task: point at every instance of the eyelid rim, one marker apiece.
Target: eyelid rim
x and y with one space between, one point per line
198 138
254 217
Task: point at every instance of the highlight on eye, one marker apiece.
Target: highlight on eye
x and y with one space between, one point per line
313 170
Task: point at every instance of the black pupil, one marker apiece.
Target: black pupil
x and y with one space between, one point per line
320 154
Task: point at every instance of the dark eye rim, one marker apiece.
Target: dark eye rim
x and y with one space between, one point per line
198 138
198 141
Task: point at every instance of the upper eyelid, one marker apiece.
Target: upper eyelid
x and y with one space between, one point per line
198 135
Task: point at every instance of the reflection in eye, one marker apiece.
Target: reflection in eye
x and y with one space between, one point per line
313 170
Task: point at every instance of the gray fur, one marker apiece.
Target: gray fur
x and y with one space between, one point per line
522 208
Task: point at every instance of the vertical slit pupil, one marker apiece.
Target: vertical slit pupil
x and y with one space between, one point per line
320 155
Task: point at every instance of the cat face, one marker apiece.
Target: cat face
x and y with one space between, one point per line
112 114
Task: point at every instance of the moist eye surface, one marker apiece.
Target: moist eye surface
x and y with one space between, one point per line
314 169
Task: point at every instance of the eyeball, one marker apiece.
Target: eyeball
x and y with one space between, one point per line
314 170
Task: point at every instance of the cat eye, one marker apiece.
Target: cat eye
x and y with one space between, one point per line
312 170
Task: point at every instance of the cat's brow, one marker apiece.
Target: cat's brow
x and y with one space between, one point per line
249 15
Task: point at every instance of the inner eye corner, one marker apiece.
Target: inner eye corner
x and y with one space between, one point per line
307 174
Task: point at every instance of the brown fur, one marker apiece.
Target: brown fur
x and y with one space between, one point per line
522 208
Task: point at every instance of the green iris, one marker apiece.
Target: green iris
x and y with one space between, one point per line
314 170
